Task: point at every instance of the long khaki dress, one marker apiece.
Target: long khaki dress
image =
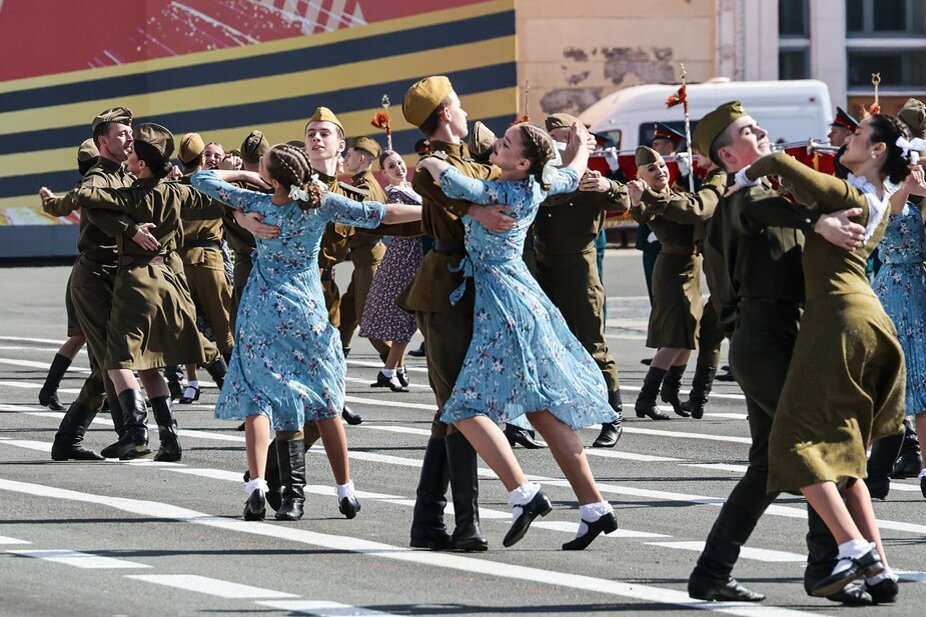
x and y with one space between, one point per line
153 321
845 384
677 306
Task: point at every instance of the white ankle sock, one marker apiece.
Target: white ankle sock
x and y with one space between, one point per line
591 512
922 472
257 483
887 573
192 384
401 370
521 496
388 372
345 490
849 550
190 390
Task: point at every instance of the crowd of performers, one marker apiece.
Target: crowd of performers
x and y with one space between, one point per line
492 257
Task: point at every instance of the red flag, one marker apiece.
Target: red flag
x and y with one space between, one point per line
678 98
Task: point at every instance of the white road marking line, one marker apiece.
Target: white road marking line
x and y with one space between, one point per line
746 552
42 349
32 340
410 369
380 403
41 365
36 386
911 576
88 561
895 486
210 586
321 608
472 565
649 431
723 395
9 540
368 382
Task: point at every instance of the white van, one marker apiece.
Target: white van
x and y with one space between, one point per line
791 111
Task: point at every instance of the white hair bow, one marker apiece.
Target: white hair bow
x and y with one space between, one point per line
298 194
911 148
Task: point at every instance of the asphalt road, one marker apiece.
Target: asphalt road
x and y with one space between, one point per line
145 538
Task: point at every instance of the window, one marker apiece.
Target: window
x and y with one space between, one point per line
793 64
648 129
901 69
613 137
792 18
867 18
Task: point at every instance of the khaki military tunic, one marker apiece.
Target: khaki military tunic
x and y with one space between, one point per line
242 244
204 269
153 321
845 385
366 253
447 328
677 305
94 272
566 267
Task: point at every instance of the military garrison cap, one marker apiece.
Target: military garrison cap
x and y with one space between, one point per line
560 121
644 155
424 97
122 115
664 132
254 146
191 146
323 114
913 114
714 123
366 143
481 142
87 151
154 144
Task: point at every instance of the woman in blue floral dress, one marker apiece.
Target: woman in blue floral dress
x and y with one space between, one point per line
901 286
287 366
523 360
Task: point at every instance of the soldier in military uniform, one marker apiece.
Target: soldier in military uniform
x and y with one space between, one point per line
92 278
754 255
204 267
565 231
433 106
366 249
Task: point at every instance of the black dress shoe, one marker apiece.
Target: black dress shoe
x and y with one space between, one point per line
883 592
473 544
878 487
186 400
703 588
386 382
350 417
349 506
605 524
255 508
538 506
646 361
607 438
522 437
728 376
402 377
868 564
418 353
49 398
652 413
61 452
853 594
432 539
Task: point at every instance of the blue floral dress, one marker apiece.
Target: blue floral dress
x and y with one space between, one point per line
901 287
287 362
522 357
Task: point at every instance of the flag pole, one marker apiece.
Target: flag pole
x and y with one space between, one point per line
691 186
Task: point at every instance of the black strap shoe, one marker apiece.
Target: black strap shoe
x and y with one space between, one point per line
868 564
853 594
188 396
703 588
402 377
386 382
605 524
883 592
538 506
349 506
254 507
350 417
522 437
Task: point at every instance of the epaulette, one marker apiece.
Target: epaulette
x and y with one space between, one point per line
352 190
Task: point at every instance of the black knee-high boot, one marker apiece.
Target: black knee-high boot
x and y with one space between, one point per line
134 442
48 395
909 464
290 455
884 454
428 528
701 385
671 384
646 401
70 435
217 370
169 449
464 487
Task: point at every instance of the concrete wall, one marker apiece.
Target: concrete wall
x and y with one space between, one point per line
574 52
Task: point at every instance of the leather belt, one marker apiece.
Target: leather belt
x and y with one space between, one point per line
678 250
449 246
206 244
141 260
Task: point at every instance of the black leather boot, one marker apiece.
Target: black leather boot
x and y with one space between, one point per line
645 407
909 464
464 487
48 395
172 375
290 455
217 371
822 553
701 385
118 418
611 431
884 455
522 437
70 435
428 529
671 385
169 449
711 578
271 477
134 442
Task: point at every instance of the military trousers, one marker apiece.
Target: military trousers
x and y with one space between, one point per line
211 294
91 293
710 336
573 285
446 340
366 260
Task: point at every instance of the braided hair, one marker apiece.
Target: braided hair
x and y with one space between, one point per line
290 166
886 128
538 149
